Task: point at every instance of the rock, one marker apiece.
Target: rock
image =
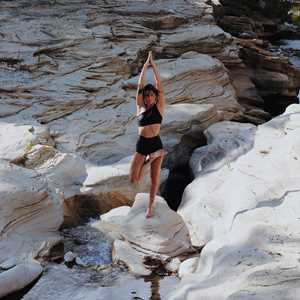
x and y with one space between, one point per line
78 283
30 216
173 265
110 216
95 54
16 139
226 142
271 74
111 184
69 256
258 19
246 214
188 266
19 277
161 237
122 252
80 262
8 264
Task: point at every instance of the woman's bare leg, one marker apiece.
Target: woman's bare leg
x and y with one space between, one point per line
155 177
136 167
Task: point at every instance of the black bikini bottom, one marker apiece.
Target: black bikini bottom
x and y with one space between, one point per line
146 146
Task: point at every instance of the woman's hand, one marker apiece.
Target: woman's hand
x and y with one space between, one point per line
152 63
149 59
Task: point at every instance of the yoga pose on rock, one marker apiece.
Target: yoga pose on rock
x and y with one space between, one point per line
150 103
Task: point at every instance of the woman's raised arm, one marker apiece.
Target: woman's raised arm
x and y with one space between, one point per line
161 100
141 83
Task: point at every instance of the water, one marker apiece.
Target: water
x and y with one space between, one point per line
89 244
96 277
293 47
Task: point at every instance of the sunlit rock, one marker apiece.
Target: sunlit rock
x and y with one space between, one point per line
16 140
161 237
246 214
111 183
30 215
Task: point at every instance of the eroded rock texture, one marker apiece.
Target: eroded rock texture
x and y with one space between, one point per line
266 83
68 74
67 65
141 243
244 206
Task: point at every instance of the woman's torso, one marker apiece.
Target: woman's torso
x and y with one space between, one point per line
150 130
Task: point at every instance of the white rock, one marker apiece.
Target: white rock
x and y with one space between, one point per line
188 266
65 172
173 265
161 237
121 211
8 264
16 140
114 179
18 277
226 142
69 256
248 219
123 252
30 214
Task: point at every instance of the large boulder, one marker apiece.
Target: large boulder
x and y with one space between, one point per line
245 212
19 277
140 240
30 213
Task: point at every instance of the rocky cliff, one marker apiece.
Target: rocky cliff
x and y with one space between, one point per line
68 76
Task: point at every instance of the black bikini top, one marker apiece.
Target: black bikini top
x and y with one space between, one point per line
150 116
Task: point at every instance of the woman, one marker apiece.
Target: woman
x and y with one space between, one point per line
150 103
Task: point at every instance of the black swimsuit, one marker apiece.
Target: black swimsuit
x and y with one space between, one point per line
147 146
150 116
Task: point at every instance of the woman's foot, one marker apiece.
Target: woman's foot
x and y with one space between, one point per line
149 213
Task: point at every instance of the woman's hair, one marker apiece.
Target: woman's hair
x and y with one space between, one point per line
150 87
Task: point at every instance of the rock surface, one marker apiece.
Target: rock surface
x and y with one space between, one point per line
30 213
80 284
68 74
161 237
84 58
246 213
18 277
265 82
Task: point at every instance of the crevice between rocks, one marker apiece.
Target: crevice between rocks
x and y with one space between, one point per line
180 171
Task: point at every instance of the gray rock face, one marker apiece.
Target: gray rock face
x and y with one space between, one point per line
72 62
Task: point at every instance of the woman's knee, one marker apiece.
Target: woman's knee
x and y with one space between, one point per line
133 178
